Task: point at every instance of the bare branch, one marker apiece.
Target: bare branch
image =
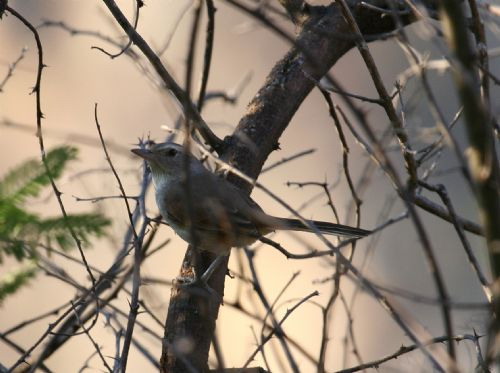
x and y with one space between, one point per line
187 104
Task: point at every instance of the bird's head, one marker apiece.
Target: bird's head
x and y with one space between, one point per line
167 160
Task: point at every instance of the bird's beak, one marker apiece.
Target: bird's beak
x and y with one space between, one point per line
148 155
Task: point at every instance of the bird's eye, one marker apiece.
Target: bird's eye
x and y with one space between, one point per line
171 152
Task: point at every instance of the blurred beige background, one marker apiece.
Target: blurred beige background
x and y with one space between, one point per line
131 107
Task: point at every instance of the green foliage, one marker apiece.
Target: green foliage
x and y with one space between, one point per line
84 226
30 177
22 232
14 280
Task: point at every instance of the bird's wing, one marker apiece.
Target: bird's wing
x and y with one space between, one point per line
243 207
216 211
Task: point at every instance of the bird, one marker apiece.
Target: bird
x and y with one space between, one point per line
212 213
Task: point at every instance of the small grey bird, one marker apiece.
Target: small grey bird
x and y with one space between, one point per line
222 215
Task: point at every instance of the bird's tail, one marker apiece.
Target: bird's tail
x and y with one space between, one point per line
324 227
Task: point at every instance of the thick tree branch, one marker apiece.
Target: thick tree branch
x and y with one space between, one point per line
322 41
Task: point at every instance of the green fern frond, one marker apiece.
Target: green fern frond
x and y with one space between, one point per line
84 226
12 281
14 220
28 178
22 232
13 247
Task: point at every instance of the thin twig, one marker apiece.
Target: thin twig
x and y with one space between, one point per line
138 6
207 61
168 80
443 194
405 349
288 159
97 348
12 68
137 243
276 325
277 330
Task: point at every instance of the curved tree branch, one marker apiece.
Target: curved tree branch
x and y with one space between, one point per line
323 39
